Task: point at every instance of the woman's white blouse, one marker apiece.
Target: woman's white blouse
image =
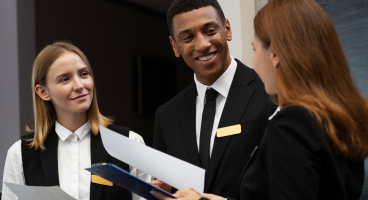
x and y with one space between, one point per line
74 155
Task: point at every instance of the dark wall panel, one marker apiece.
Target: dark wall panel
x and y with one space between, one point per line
111 36
350 18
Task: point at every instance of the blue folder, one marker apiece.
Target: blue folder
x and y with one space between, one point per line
125 180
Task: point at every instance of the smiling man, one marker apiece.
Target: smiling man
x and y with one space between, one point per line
225 93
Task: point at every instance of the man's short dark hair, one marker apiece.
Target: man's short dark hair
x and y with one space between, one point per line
182 6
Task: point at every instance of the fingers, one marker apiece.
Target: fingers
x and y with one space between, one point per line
156 182
181 193
188 194
207 196
160 196
162 185
212 197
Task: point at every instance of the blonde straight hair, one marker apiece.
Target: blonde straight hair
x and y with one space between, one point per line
44 111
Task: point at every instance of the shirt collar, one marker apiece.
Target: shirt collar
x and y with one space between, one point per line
64 133
273 115
221 85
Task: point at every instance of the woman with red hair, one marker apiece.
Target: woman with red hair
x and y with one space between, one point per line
315 145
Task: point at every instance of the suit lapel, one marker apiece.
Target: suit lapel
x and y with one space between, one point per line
98 154
49 159
188 123
235 106
252 156
251 159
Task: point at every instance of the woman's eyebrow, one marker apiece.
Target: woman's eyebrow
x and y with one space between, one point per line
65 74
82 69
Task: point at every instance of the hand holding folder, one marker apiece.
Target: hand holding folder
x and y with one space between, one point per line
160 184
171 170
125 180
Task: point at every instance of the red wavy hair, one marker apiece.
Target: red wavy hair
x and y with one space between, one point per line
314 72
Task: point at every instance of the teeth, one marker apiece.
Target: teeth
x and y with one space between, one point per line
204 58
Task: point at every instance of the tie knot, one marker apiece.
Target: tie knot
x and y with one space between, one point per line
211 94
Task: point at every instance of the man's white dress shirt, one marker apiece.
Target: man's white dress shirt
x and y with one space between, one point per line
74 155
222 86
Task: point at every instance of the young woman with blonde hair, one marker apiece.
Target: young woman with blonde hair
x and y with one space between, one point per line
66 137
315 145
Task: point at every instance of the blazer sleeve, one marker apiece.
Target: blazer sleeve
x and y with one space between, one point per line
293 147
158 140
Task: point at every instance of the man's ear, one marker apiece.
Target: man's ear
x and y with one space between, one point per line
42 92
275 59
175 48
229 33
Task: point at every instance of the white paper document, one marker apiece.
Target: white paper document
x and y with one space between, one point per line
173 171
24 192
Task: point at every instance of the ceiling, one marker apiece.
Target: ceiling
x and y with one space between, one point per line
160 6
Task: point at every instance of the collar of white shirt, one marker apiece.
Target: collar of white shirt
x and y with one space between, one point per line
273 115
64 133
221 85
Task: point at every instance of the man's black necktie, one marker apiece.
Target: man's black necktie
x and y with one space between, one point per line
208 117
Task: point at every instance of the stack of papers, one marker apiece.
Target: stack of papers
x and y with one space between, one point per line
173 171
24 192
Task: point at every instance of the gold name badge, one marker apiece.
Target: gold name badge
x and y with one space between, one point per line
229 130
100 180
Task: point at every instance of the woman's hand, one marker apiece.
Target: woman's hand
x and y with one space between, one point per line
188 194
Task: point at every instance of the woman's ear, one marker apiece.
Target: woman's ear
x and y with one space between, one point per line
275 59
42 92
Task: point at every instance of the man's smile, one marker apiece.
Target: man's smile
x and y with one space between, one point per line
206 57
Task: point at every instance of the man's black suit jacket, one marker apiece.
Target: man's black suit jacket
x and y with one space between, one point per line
295 161
247 104
40 167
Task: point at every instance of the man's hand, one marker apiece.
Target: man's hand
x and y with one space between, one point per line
189 194
161 196
161 185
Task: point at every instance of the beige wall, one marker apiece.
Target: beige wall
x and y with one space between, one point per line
259 4
240 14
247 14
232 11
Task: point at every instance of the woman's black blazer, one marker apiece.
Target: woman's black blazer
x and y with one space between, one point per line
295 161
